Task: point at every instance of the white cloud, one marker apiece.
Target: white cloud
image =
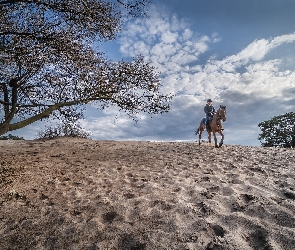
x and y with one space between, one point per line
163 39
215 37
255 51
269 66
187 34
169 37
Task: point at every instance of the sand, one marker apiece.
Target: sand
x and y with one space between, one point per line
85 194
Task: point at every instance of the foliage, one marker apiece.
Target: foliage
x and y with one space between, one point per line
64 129
11 137
279 131
51 66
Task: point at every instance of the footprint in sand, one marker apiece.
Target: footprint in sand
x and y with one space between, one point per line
290 195
258 240
109 216
218 230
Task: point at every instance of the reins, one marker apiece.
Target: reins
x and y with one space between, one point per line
218 117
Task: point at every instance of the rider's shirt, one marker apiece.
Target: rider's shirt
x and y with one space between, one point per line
208 109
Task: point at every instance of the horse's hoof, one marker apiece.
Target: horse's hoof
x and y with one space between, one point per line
216 146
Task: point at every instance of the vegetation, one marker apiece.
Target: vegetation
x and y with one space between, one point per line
51 66
11 137
64 129
279 131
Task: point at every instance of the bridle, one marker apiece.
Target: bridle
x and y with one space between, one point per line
219 115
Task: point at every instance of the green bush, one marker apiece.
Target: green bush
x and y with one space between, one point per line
279 131
11 137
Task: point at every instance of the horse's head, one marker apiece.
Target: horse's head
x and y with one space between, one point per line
222 113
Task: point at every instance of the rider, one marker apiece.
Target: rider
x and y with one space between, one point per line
209 111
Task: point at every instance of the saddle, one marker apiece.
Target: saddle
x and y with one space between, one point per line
204 121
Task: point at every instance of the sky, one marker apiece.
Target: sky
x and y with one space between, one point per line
239 53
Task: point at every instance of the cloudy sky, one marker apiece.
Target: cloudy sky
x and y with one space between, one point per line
238 53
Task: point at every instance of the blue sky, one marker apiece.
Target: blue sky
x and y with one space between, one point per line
240 53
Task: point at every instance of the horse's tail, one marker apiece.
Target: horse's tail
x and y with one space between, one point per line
197 131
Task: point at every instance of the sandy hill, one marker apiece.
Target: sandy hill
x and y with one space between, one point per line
85 194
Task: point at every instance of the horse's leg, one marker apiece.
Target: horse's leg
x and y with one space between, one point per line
215 139
209 132
222 138
200 136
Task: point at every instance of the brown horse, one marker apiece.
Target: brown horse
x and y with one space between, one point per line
215 126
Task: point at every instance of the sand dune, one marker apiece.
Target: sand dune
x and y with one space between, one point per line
85 194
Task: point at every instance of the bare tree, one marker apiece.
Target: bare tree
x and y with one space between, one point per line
51 66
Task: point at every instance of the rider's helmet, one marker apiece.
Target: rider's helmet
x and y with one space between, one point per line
209 100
